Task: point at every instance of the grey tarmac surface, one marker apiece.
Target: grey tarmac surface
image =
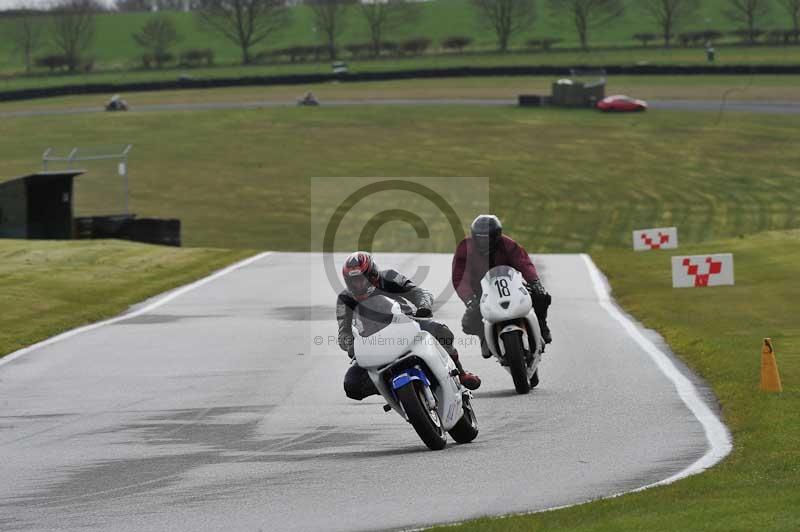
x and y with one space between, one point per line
220 410
766 107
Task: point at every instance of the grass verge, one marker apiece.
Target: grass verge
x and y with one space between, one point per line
718 332
47 287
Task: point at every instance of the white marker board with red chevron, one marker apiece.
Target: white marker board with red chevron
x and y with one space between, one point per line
658 238
698 271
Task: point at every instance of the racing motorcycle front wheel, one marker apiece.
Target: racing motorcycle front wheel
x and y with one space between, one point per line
515 357
423 417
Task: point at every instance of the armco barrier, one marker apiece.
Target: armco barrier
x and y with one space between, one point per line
459 72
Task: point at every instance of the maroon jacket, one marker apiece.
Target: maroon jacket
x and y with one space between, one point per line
469 266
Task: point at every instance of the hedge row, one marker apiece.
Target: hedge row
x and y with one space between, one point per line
409 47
775 36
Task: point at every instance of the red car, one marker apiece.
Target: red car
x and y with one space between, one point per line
622 104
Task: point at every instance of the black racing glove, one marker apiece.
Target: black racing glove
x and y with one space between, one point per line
423 313
472 301
536 288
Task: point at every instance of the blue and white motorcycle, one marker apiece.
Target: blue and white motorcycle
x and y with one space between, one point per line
510 326
412 372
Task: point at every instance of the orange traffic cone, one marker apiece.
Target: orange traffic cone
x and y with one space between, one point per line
770 378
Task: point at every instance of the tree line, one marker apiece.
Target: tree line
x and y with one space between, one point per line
70 24
509 17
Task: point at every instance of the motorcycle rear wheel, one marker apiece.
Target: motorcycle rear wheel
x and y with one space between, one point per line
466 429
425 421
515 357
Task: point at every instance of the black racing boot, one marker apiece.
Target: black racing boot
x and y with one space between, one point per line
485 352
546 336
541 302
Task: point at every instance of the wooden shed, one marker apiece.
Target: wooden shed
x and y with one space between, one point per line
37 205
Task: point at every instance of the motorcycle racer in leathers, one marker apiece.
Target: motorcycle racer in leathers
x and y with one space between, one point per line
363 280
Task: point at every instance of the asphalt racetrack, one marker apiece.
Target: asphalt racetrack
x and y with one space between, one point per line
762 107
220 406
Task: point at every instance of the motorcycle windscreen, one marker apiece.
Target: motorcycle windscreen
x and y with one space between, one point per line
501 271
376 313
384 332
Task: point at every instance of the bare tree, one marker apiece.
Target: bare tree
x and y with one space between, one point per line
329 19
74 29
748 12
27 29
245 23
384 17
792 7
506 17
670 14
588 14
157 36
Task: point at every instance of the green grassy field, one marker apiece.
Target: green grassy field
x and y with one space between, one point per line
48 287
718 332
115 52
581 180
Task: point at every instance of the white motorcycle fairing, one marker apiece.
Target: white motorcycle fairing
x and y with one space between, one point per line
506 302
402 342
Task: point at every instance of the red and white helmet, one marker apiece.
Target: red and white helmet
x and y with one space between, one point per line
360 274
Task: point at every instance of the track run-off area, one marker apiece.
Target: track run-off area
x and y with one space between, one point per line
220 405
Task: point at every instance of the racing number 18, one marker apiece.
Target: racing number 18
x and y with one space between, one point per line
502 287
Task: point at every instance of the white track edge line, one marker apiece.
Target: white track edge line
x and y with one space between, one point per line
717 434
175 293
